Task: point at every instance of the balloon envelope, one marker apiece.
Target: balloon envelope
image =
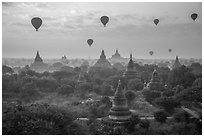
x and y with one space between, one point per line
194 16
90 42
36 22
151 53
104 20
156 21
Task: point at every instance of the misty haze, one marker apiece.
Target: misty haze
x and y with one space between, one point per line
112 68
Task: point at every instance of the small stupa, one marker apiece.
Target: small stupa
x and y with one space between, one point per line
119 113
38 64
103 62
130 72
155 82
176 64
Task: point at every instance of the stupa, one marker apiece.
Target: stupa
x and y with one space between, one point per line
116 58
130 72
119 113
38 64
103 62
176 64
155 83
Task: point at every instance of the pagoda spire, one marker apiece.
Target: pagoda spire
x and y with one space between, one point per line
103 56
176 63
119 93
119 111
38 58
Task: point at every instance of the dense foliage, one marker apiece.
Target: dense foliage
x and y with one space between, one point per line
26 96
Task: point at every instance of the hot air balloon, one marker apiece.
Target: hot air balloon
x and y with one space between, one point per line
194 16
36 22
170 50
151 53
90 42
156 21
104 20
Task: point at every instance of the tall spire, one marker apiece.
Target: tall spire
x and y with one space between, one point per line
119 93
130 63
38 58
116 51
119 111
155 83
103 56
131 56
176 63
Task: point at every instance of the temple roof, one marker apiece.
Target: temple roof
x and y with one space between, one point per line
119 91
176 63
130 63
103 62
38 58
155 82
116 55
103 56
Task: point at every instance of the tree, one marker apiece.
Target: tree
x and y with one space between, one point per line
29 92
160 116
113 80
168 93
135 84
145 76
83 88
65 90
7 70
198 83
181 76
191 95
151 95
130 95
59 75
107 90
181 116
167 103
144 124
106 100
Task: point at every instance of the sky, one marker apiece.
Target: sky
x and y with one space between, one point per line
67 26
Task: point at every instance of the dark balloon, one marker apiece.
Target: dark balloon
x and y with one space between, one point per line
36 22
156 21
194 16
151 53
104 20
170 50
90 42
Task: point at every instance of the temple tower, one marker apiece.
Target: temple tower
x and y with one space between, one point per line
103 62
155 82
130 72
38 58
176 64
119 113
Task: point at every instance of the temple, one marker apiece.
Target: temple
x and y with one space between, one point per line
130 72
119 113
155 83
103 62
64 57
176 64
116 55
117 58
38 64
